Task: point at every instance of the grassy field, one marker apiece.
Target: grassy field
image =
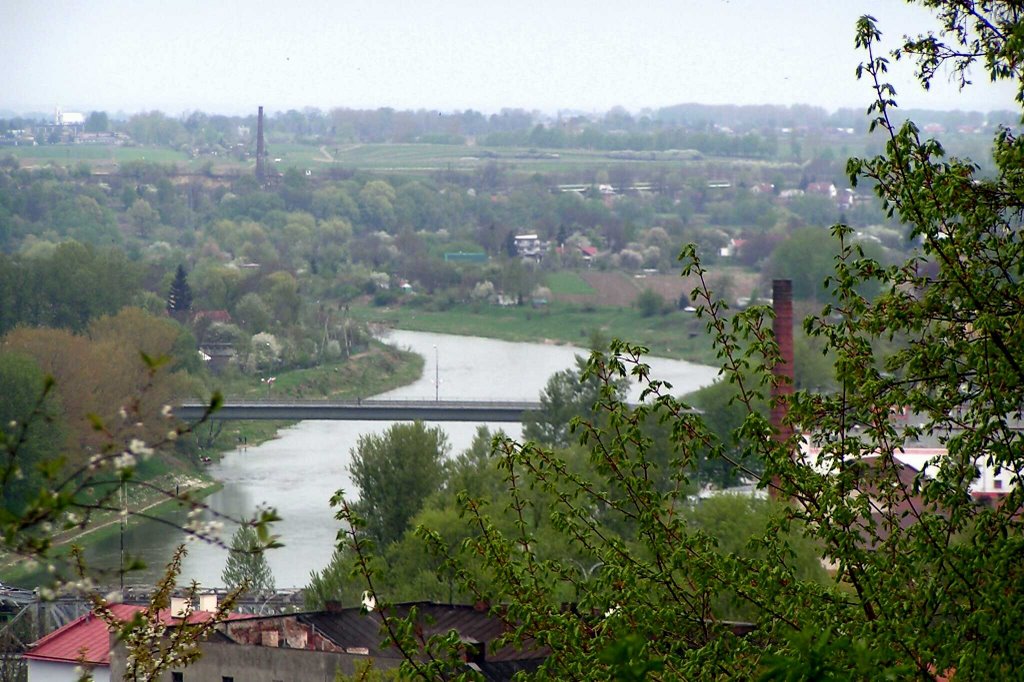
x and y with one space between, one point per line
378 369
566 282
675 335
414 159
73 153
103 526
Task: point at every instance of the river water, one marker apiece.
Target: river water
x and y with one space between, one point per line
298 472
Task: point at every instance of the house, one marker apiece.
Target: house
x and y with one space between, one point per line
530 246
222 316
823 189
85 643
82 643
732 248
217 354
846 199
890 483
318 645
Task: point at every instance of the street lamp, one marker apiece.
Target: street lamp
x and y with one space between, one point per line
437 377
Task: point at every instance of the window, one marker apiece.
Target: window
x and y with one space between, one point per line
998 484
177 677
225 678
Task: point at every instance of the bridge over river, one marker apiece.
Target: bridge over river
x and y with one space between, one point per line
365 410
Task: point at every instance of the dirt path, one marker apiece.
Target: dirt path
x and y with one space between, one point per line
182 484
327 155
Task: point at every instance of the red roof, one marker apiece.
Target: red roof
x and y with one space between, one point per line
84 639
87 638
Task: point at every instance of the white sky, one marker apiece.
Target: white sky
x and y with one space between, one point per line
227 56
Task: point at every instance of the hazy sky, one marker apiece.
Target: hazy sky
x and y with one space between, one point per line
226 56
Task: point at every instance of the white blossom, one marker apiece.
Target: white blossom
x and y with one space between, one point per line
125 460
139 447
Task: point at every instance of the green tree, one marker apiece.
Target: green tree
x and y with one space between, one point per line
282 296
252 313
30 430
336 582
568 396
807 257
97 122
143 218
84 219
649 303
925 583
377 205
246 569
395 472
179 298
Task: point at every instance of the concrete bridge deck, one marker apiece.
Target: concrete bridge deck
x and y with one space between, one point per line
365 410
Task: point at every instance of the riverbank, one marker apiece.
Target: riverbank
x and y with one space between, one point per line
677 334
156 497
378 369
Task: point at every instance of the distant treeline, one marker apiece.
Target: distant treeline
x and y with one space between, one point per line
675 127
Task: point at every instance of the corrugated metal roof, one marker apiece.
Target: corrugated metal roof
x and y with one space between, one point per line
352 629
87 638
84 639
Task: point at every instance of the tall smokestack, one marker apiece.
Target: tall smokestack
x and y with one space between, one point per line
261 150
782 302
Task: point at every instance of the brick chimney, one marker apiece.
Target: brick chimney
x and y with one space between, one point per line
782 302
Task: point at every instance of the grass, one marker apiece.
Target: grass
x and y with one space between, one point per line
72 153
569 283
375 370
103 526
406 158
675 335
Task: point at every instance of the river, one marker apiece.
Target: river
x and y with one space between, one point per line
298 472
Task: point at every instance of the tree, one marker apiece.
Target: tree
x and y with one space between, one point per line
179 299
395 472
253 313
925 583
84 219
807 258
511 250
22 384
97 122
568 396
143 218
246 569
649 303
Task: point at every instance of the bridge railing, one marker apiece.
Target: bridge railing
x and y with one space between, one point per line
410 402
